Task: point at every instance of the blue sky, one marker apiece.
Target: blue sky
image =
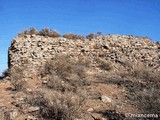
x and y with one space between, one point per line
136 17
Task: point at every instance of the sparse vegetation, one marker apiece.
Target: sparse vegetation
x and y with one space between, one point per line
73 36
145 94
141 72
4 74
49 33
80 37
16 78
70 36
58 106
43 32
99 34
23 33
65 106
61 99
147 99
64 69
143 90
32 31
91 36
104 64
92 82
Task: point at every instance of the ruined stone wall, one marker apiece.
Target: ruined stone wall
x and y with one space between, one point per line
33 51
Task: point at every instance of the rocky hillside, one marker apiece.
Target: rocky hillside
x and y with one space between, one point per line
100 78
33 51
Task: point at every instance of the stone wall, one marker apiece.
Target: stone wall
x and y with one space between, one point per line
32 51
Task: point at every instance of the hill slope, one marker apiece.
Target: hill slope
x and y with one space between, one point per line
101 78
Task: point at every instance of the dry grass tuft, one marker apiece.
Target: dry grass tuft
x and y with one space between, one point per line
61 106
91 36
145 94
43 32
104 64
73 36
16 78
63 73
57 106
49 33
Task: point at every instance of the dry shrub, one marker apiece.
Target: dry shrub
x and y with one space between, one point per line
23 33
73 36
56 83
104 64
91 36
62 69
57 106
99 34
61 107
32 31
48 32
36 99
126 63
148 100
70 36
141 72
4 74
144 90
155 77
64 66
43 32
48 69
80 37
145 95
55 34
16 78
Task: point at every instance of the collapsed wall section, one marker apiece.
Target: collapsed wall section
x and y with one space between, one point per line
32 51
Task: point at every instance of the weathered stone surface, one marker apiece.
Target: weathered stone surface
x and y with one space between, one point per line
3 111
31 118
6 114
33 109
13 114
106 99
33 51
97 116
90 110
